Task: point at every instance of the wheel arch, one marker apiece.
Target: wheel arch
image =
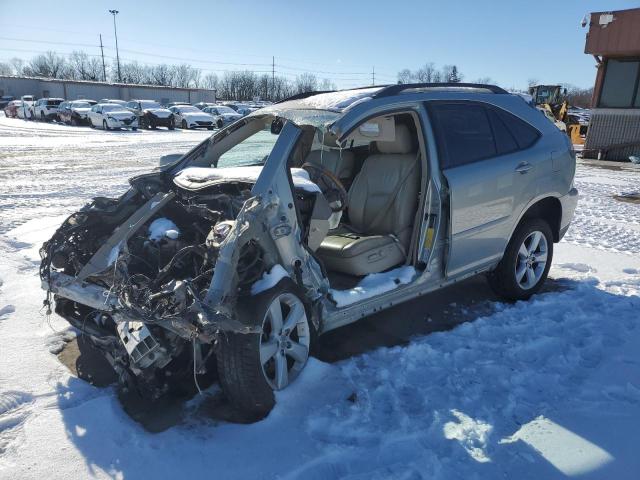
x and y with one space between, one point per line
548 209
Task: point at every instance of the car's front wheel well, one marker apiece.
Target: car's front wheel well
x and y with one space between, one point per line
548 209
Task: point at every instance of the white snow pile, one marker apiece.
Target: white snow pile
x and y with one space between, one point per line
269 279
163 228
338 100
373 284
196 178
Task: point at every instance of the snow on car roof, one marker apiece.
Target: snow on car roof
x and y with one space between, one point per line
334 101
196 178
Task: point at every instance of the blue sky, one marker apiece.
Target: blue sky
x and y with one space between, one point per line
508 41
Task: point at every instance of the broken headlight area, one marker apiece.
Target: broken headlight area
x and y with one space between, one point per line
133 274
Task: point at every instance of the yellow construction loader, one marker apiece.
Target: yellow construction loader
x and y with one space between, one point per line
553 99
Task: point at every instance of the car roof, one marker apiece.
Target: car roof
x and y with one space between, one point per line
342 100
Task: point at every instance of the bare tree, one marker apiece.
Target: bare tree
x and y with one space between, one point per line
210 81
185 76
83 67
49 64
425 73
18 65
5 69
485 81
451 74
306 82
405 76
160 75
532 81
327 85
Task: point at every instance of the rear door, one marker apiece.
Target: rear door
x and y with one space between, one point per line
485 157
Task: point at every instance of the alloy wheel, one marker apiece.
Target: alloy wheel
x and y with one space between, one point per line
532 260
285 340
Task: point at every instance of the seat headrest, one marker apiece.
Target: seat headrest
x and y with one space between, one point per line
403 142
328 139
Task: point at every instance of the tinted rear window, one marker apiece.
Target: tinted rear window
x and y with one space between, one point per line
524 133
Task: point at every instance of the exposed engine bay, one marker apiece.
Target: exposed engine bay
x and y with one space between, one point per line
136 274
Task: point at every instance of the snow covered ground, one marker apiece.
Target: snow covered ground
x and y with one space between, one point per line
545 389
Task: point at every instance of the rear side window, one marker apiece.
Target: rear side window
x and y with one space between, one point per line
468 132
524 133
505 141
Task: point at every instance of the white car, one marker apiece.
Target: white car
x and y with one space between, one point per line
226 114
27 106
188 116
47 108
110 116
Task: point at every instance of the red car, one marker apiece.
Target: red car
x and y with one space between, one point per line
11 110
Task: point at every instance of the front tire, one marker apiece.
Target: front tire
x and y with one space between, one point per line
252 366
105 126
172 124
526 262
184 125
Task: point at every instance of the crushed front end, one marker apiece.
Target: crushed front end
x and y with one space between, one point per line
133 274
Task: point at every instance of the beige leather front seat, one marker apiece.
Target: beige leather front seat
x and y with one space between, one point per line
340 163
382 207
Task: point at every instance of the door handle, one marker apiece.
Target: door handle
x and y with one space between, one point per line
523 167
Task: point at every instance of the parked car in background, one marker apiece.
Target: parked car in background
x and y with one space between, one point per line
223 113
5 100
241 108
203 105
11 109
27 106
75 112
174 104
110 116
47 108
151 114
113 100
188 116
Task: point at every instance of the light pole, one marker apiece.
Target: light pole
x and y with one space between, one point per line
115 31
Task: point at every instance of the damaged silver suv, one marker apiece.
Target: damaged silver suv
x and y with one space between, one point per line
306 216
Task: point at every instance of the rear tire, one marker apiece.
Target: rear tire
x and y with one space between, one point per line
220 124
252 366
526 261
42 117
172 124
105 126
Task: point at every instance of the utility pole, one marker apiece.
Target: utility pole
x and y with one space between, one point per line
114 13
104 70
273 77
373 75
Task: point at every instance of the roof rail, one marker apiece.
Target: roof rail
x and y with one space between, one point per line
300 96
399 88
